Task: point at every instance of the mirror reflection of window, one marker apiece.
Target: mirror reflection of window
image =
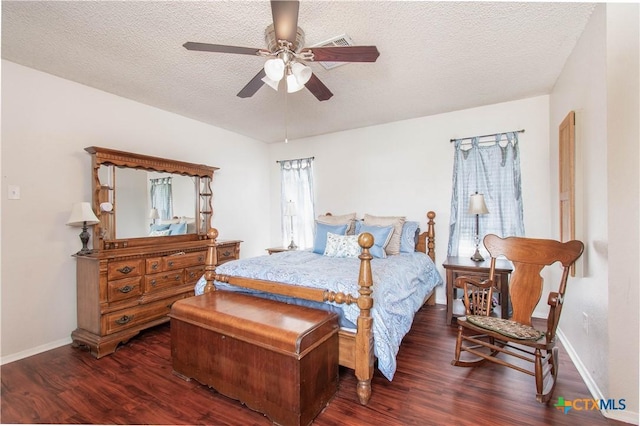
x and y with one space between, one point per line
161 197
133 202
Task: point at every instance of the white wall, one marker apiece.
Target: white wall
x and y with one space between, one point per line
405 168
600 82
46 124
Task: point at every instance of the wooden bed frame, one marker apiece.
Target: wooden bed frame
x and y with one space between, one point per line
355 348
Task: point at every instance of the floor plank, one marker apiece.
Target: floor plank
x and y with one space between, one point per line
135 385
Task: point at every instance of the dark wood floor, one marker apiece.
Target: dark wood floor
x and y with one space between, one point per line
136 386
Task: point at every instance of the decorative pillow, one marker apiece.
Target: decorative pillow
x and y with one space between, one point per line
408 237
349 219
396 221
320 239
159 227
381 237
163 233
342 246
178 228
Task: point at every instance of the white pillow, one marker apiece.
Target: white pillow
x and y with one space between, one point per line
349 219
396 221
342 246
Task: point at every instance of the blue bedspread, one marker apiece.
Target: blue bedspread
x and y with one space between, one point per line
400 284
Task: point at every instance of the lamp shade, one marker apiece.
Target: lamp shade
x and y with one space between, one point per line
291 209
477 204
81 213
292 84
274 68
271 83
301 72
153 214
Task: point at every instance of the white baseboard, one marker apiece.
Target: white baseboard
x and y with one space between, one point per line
596 393
34 351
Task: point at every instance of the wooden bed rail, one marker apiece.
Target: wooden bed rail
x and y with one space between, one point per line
307 293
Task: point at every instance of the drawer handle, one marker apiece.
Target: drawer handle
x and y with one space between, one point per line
200 258
226 253
154 265
170 263
192 274
126 270
153 283
177 278
125 319
125 289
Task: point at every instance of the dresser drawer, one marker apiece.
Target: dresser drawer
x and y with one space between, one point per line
193 274
124 289
131 317
154 264
155 282
125 268
183 260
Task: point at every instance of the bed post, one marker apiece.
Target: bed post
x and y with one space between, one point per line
364 337
211 261
431 233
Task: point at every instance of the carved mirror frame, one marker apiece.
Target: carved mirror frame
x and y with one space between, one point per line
104 232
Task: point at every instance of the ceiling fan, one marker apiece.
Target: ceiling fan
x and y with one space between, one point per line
288 56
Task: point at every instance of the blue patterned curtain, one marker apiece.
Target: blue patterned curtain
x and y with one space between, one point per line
161 197
297 186
491 168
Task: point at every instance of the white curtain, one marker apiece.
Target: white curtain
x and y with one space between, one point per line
297 187
161 197
491 168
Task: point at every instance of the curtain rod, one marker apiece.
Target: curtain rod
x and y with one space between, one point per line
485 136
295 159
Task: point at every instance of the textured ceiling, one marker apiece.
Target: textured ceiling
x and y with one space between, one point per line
435 57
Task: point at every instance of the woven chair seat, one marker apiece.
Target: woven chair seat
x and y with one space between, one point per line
506 327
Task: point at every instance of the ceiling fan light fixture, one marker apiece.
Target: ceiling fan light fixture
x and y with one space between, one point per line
274 68
292 84
301 72
271 83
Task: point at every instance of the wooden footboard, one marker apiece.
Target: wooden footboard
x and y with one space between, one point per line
355 348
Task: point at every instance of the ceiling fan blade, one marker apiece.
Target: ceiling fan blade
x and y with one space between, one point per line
252 87
318 88
206 47
285 19
344 54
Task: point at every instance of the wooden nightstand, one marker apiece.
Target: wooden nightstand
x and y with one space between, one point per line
228 250
272 250
458 266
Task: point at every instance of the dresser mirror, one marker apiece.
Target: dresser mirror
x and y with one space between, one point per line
140 199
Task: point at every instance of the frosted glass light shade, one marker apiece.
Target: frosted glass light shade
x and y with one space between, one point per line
271 83
274 68
292 84
301 72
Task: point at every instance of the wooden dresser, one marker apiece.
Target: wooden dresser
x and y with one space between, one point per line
121 292
138 270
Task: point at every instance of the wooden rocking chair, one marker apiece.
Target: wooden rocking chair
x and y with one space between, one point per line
485 337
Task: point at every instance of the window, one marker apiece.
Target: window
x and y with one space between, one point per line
296 200
161 197
490 167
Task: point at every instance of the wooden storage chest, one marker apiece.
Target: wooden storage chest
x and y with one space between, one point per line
278 359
